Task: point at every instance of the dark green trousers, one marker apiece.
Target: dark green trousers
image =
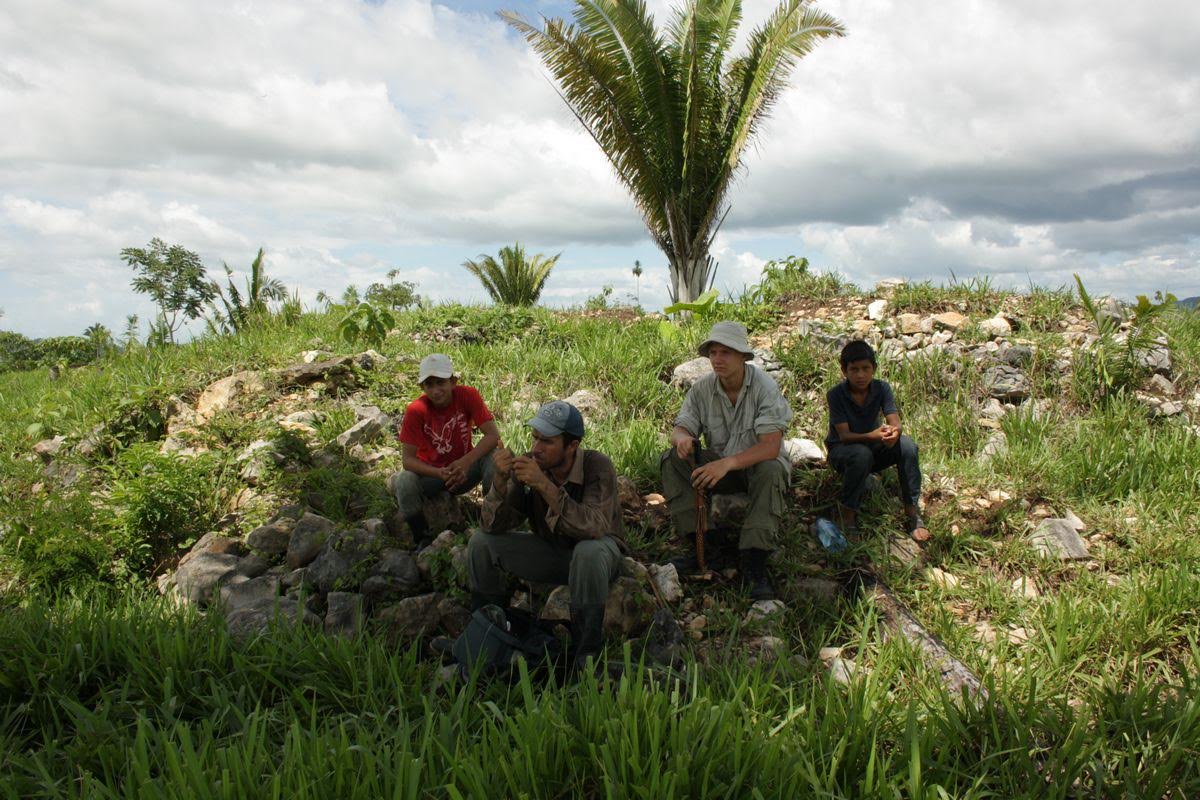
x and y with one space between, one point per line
766 482
587 567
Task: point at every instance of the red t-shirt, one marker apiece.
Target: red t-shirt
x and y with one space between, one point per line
443 435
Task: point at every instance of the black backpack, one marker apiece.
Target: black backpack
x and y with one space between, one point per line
495 639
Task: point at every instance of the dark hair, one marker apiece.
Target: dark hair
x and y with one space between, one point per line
570 437
858 350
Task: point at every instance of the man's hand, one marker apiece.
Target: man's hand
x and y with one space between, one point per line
455 474
502 462
889 435
710 474
684 444
529 473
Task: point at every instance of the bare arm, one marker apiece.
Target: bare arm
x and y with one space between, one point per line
413 464
767 448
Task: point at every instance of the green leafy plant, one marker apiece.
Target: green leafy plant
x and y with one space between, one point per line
175 279
394 294
366 324
513 280
672 110
245 308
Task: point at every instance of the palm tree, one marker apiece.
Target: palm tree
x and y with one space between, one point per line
514 280
637 274
671 112
239 310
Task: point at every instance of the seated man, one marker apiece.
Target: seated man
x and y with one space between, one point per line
859 445
742 415
552 516
436 439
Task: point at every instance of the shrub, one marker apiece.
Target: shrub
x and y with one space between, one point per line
53 543
343 496
164 503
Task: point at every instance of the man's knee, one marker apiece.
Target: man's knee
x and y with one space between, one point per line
908 447
771 472
855 458
480 545
589 552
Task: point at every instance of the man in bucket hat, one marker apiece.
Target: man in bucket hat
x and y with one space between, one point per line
552 516
742 416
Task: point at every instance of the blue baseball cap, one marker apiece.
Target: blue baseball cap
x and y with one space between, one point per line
555 417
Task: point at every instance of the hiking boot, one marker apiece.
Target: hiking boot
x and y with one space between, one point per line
754 574
587 634
687 564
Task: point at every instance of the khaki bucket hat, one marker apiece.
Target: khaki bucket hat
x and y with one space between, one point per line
732 335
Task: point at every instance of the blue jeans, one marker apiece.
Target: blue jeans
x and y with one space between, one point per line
856 461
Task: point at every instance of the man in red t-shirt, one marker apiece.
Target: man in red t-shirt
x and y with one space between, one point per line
436 439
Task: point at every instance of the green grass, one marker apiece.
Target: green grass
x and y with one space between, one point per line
107 692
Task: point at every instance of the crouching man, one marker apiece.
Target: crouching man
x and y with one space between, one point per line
552 516
742 416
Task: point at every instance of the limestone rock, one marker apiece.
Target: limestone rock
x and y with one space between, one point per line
995 327
687 373
213 542
334 371
876 309
444 542
1026 588
908 324
1006 383
1156 359
252 565
272 539
306 539
666 578
1162 385
452 616
394 576
237 594
905 551
762 609
371 423
1112 309
996 445
803 452
939 577
634 569
888 286
344 614
950 320
344 561
728 510
629 497
627 610
257 618
412 616
444 512
1057 538
222 394
591 404
557 607
301 421
200 578
48 449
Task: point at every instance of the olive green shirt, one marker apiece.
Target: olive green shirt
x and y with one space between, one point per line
588 504
730 429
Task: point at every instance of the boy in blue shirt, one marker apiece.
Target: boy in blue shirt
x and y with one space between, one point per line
859 444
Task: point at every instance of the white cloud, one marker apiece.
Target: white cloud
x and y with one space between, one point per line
1008 139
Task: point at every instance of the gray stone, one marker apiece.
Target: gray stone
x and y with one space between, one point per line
365 430
1017 355
951 321
443 543
335 371
1156 359
369 359
557 607
253 565
687 373
589 402
344 614
888 286
1006 383
412 616
908 324
452 616
1112 309
876 309
343 562
1057 538
200 578
634 569
443 512
666 578
905 551
763 609
803 452
271 539
728 510
628 609
298 580
240 591
213 542
1161 385
307 538
995 327
996 445
224 393
822 590
48 449
993 409
393 577
257 618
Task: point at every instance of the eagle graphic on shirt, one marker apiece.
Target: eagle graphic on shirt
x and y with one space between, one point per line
443 440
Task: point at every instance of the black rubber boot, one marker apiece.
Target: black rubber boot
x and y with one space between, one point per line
687 563
420 531
481 599
754 574
587 634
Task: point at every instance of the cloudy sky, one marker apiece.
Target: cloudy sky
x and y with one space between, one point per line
1021 140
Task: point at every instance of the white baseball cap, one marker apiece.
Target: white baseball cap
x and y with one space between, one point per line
435 365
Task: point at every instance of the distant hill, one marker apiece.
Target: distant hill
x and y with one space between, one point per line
1190 302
